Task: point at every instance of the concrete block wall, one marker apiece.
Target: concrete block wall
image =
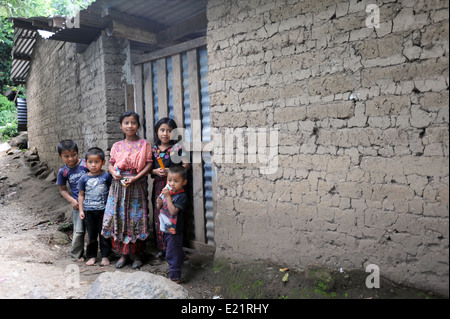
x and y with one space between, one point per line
363 137
75 96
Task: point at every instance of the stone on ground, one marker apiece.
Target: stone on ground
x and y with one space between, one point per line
135 285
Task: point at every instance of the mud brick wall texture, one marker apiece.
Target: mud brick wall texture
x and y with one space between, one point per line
75 96
363 119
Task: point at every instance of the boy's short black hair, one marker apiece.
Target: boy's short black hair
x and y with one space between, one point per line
67 145
178 169
95 151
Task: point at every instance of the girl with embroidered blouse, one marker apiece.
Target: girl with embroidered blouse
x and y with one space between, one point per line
163 151
126 219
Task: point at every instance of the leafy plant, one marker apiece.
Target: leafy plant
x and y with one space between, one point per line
34 8
8 119
27 9
6 105
9 131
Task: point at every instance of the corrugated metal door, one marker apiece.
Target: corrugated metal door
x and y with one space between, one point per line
175 84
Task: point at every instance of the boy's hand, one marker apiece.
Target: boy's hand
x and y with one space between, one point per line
166 192
81 215
74 204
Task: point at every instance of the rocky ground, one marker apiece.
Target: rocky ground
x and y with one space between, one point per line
35 240
35 236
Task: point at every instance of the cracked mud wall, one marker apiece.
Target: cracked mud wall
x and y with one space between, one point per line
362 117
75 96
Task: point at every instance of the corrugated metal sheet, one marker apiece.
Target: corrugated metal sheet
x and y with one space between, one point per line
206 119
155 91
186 98
24 41
165 12
170 87
206 137
208 191
21 114
160 14
206 124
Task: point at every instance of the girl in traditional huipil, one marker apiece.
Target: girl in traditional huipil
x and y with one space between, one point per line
164 151
126 214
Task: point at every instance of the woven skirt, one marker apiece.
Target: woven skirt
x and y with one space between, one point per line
126 216
158 184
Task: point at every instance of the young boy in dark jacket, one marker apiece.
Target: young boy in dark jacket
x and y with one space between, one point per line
172 205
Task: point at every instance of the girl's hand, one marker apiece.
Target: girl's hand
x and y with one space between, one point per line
81 215
116 176
160 172
130 180
159 203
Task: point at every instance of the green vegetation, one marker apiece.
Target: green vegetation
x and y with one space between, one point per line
8 119
43 8
22 8
239 283
260 280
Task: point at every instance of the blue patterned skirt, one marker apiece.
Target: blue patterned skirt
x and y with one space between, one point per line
126 215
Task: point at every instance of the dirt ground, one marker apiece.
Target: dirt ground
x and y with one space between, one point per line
35 260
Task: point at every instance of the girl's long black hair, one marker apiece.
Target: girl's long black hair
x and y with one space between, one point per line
130 113
127 114
171 123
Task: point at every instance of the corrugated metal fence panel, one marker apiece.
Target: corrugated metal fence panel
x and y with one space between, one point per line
170 86
187 109
22 120
208 191
155 92
206 137
205 118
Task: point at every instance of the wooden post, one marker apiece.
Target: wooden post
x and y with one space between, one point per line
177 86
140 98
149 124
163 109
129 97
149 107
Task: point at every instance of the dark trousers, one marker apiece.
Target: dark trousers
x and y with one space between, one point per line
94 219
174 254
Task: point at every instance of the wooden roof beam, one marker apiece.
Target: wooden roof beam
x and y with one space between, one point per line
131 20
194 24
21 57
32 25
119 30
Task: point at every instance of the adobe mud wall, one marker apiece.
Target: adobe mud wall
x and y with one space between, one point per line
362 117
75 96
